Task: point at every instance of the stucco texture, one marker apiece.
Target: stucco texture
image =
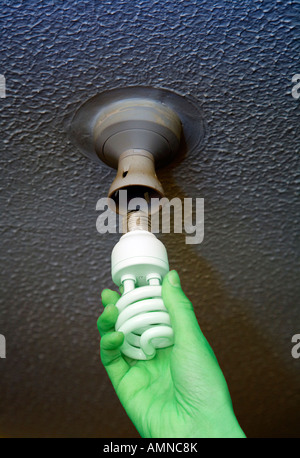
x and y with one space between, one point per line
236 60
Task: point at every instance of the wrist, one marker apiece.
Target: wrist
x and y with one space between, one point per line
229 427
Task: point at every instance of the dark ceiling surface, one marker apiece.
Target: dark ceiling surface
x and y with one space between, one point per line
236 61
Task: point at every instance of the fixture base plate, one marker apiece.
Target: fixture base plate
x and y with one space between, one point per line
152 119
136 124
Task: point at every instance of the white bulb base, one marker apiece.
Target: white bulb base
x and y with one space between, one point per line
139 254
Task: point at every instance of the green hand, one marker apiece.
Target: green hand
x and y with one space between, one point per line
181 392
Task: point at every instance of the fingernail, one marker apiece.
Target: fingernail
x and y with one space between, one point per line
173 278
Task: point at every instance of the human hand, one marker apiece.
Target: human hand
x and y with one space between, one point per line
182 391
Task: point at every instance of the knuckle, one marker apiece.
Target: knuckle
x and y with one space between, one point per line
186 304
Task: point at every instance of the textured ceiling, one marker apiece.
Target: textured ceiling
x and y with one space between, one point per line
236 59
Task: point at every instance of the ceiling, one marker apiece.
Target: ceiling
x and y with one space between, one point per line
236 61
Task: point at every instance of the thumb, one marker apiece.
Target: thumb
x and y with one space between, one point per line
181 311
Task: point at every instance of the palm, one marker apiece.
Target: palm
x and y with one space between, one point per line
147 394
157 398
